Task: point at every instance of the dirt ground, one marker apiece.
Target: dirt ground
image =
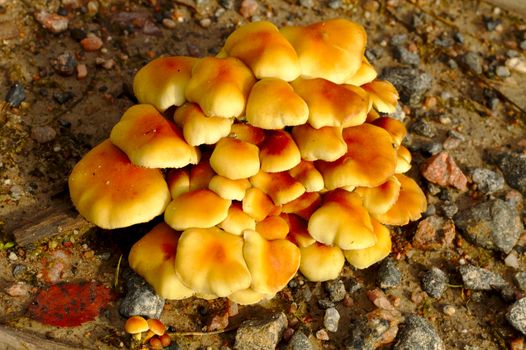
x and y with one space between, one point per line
63 116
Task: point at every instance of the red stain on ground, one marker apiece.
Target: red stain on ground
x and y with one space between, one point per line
69 304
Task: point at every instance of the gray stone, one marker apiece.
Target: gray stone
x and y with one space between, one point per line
354 286
473 61
418 334
434 282
16 95
423 127
412 83
261 334
389 275
399 39
307 3
336 290
335 4
43 134
523 45
300 341
140 298
502 71
365 335
488 181
404 56
65 64
477 278
331 319
325 303
520 280
513 166
516 315
493 225
449 209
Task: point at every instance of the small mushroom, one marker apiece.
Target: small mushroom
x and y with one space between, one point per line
248 297
365 74
273 227
245 154
248 133
229 189
379 199
304 205
237 220
393 126
281 187
325 143
258 205
320 262
308 176
178 181
403 160
383 94
298 232
278 152
363 258
136 325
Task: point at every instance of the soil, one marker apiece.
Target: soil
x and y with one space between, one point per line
63 116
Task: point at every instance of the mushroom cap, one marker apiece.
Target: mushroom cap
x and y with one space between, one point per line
281 187
342 221
298 232
153 257
331 104
278 152
265 50
410 205
325 143
152 141
162 82
383 94
308 176
273 104
178 181
248 133
199 129
156 326
363 258
199 208
235 159
370 159
393 126
258 205
111 192
341 40
237 220
210 261
229 189
220 86
320 262
379 199
403 160
247 297
136 324
201 174
273 227
304 205
365 74
272 264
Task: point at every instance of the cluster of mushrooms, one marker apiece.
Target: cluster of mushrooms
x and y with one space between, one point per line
275 155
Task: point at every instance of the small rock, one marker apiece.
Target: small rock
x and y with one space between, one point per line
434 282
331 319
336 290
487 181
63 97
502 71
300 341
18 270
150 28
459 38
379 299
412 83
19 289
43 134
227 4
404 56
322 334
16 95
512 260
513 166
140 298
423 127
449 310
491 23
261 334
12 256
77 34
476 278
169 23
307 3
82 71
451 143
433 233
91 42
473 61
335 4
379 327
371 5
418 334
325 303
65 64
520 280
52 22
449 209
205 22
389 275
493 225
248 8
442 170
516 315
218 322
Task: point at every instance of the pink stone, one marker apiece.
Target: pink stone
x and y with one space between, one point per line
442 170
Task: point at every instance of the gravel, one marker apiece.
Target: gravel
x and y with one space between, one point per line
331 319
502 71
43 134
520 280
487 181
65 64
16 95
389 275
404 56
516 315
300 341
261 334
336 290
412 83
423 127
418 334
473 61
434 282
140 298
513 166
476 278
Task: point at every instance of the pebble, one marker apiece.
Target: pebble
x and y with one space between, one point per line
517 64
473 61
335 4
502 71
16 192
520 280
77 34
493 224
513 166
491 23
331 319
522 45
389 275
18 289
371 5
65 64
169 23
16 95
227 4
52 22
477 278
449 310
399 39
336 290
261 334
91 43
12 256
300 341
487 181
442 170
205 22
322 334
412 83
434 282
140 298
516 315
433 233
423 127
248 8
449 209
218 322
18 270
82 71
62 97
418 334
512 260
43 134
404 56
307 3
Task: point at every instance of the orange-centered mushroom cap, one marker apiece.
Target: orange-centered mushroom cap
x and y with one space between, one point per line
229 189
393 126
273 227
363 258
136 325
178 181
403 160
379 199
281 187
152 141
304 205
278 152
321 262
235 159
383 94
258 205
111 192
248 133
365 74
237 220
319 144
308 176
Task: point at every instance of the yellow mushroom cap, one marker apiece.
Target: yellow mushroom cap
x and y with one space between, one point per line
111 192
304 205
220 86
199 129
308 176
156 326
201 174
229 189
263 48
237 220
298 232
370 159
403 160
178 181
379 199
383 94
272 264
248 297
273 227
153 257
248 133
281 187
342 221
162 82
258 205
365 74
235 159
410 205
198 208
210 261
393 126
320 262
332 49
273 104
319 144
331 104
363 258
278 152
152 141
136 324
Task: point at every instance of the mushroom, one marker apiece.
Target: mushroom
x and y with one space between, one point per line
156 328
325 143
379 199
229 189
136 325
383 94
393 126
111 192
245 154
237 220
306 174
278 152
258 205
365 74
320 262
162 82
304 205
248 297
151 141
363 258
281 187
248 133
403 160
178 181
273 227
298 232
201 174
153 257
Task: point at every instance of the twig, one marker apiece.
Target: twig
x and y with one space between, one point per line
117 272
200 334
